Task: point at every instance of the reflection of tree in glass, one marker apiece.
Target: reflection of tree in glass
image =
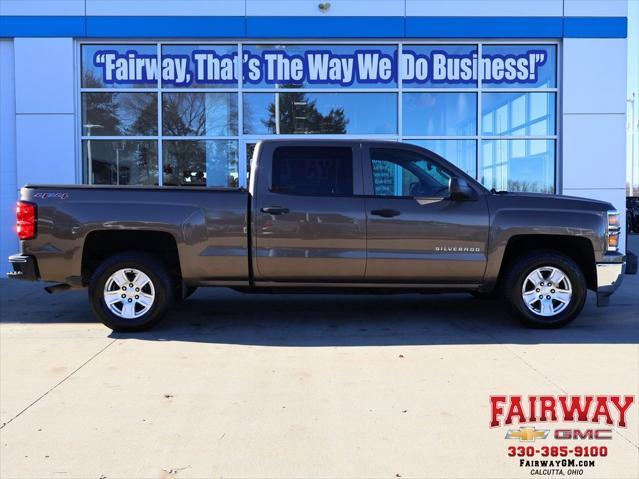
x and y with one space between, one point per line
298 114
112 113
143 110
529 186
99 109
198 114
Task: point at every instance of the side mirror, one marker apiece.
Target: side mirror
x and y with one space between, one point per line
460 190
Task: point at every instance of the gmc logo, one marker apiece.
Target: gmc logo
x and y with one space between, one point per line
585 434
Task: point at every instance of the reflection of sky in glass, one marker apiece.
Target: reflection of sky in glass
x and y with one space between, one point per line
92 75
531 114
518 165
439 114
545 75
450 50
461 153
366 113
334 49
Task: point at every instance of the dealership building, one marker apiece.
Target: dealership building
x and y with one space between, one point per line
524 95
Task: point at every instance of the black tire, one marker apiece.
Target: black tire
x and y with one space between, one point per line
525 265
162 284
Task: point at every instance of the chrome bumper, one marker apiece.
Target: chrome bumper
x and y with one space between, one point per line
609 277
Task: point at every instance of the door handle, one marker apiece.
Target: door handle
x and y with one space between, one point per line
274 210
385 213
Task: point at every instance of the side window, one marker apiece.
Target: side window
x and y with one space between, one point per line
313 171
404 173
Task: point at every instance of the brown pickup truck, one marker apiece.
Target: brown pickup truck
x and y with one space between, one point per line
321 216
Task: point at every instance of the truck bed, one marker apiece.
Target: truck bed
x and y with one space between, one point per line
208 227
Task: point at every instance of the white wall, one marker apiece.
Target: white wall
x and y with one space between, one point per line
593 113
8 186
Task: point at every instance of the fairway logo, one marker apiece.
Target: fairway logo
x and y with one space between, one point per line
610 410
528 434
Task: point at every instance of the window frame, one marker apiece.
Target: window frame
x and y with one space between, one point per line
83 171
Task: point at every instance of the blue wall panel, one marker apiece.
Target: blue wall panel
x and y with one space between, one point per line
325 27
312 27
165 27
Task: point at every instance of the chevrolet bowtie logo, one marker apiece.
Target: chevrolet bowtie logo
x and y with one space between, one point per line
527 434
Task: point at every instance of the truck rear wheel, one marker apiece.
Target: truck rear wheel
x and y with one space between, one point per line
130 291
545 289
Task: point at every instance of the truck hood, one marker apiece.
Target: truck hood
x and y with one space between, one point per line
546 201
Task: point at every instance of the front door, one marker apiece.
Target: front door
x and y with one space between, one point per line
415 233
309 213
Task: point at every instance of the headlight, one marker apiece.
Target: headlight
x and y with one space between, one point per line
613 230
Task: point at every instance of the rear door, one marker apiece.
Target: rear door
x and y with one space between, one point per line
415 233
308 211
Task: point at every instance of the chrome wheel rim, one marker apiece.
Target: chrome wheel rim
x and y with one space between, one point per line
547 291
129 293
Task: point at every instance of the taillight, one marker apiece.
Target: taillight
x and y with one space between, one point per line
25 220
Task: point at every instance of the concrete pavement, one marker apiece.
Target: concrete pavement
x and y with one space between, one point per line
233 385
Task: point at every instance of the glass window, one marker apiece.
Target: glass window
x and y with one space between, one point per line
405 173
519 66
200 163
439 114
461 153
199 66
121 162
439 66
328 113
199 114
518 165
320 66
467 109
119 66
119 114
315 171
512 114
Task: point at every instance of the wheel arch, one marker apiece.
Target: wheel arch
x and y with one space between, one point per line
100 244
577 248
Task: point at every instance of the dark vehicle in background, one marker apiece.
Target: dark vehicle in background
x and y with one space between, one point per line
632 214
323 216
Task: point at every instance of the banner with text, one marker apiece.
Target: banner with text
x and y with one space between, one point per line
316 66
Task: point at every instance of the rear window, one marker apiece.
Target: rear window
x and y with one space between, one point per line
313 171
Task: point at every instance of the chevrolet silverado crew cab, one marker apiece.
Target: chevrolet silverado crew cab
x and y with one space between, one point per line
329 216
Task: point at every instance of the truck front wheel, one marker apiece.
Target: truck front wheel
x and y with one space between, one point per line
130 291
545 289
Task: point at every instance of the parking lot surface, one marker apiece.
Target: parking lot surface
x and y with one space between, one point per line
233 385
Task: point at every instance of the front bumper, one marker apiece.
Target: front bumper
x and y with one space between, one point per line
24 267
609 277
